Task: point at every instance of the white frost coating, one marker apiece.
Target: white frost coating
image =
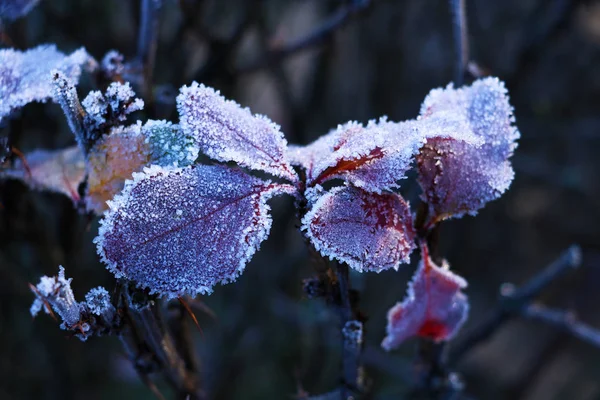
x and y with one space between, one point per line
25 76
182 231
227 132
97 301
434 306
13 9
57 293
169 145
368 231
460 175
112 64
117 102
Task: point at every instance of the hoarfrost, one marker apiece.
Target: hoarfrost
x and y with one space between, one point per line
56 292
169 145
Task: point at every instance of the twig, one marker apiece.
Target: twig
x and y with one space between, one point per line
461 39
563 320
314 38
148 42
513 301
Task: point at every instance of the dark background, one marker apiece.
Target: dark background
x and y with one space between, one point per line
267 338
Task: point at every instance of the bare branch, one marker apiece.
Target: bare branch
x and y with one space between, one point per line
148 41
461 39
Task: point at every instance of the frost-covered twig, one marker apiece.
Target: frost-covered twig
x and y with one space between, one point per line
461 39
315 37
514 301
563 320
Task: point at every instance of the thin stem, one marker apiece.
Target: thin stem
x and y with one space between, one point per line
148 42
461 39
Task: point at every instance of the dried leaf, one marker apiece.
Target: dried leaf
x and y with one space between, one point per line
459 174
228 132
369 232
434 307
26 76
182 231
54 170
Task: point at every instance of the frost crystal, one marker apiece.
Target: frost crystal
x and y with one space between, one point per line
369 232
372 157
228 132
56 292
434 306
169 146
13 9
25 76
459 174
55 170
181 231
98 302
112 107
112 64
112 160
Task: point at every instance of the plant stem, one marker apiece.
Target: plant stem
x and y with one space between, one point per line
461 39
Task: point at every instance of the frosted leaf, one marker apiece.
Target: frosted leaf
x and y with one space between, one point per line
369 232
434 306
113 160
373 157
169 146
56 292
58 171
97 302
459 175
25 76
182 231
111 108
13 9
228 132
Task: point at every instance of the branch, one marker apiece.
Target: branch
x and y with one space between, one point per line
314 38
514 301
148 42
461 39
563 320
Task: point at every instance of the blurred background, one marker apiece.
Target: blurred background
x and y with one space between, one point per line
268 340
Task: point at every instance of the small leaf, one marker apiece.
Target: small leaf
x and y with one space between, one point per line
169 146
13 9
182 231
111 108
58 171
369 232
228 132
434 306
460 173
373 157
25 77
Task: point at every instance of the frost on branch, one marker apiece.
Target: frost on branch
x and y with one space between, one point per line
373 157
96 315
182 231
457 174
25 76
111 108
13 9
369 232
434 306
228 132
169 146
58 171
112 160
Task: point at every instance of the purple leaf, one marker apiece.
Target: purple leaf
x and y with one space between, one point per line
182 231
26 76
459 173
228 132
434 306
373 157
369 232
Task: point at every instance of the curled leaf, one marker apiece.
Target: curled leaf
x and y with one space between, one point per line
58 171
182 231
368 231
228 132
459 174
25 76
434 306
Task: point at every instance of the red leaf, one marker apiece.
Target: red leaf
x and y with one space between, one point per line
182 231
434 306
369 232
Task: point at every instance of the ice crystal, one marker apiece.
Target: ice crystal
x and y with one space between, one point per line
65 94
112 64
368 231
54 170
56 292
228 132
112 107
97 301
181 231
434 306
112 161
25 76
13 9
459 175
169 145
